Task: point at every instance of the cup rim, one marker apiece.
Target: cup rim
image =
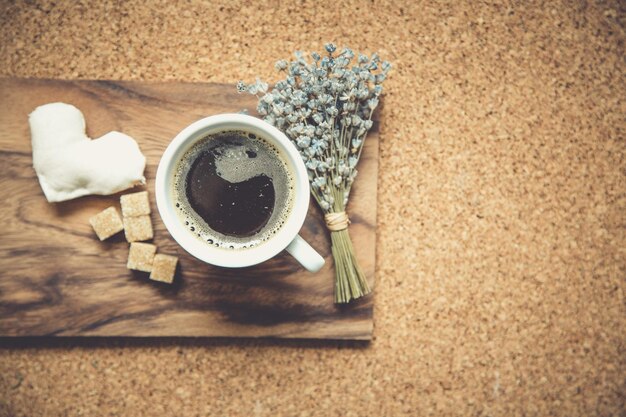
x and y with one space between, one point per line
217 255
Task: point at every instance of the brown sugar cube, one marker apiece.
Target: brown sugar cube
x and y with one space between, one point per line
138 228
141 256
163 268
135 204
106 223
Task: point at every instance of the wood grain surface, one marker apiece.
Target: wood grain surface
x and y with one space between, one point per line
57 279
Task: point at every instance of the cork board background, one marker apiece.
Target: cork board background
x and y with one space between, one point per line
502 211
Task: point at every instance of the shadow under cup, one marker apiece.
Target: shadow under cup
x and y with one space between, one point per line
166 195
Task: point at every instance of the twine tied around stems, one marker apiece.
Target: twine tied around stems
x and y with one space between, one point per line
337 221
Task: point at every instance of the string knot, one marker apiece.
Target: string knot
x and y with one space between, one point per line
337 221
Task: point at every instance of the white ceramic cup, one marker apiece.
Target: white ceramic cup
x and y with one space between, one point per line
285 238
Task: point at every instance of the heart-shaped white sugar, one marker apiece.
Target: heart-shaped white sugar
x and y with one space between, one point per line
70 165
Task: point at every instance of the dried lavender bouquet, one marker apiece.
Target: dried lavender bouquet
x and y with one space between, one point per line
325 108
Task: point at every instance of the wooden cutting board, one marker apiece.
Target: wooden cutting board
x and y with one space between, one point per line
58 279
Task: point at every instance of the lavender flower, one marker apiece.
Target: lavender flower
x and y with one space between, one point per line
319 182
281 65
330 47
325 108
303 141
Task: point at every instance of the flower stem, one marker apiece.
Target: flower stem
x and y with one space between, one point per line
350 281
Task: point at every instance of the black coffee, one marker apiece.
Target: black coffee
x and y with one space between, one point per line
231 208
233 189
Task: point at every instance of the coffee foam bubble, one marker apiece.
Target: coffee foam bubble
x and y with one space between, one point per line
239 156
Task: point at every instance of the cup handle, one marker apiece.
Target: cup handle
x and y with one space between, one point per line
305 254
